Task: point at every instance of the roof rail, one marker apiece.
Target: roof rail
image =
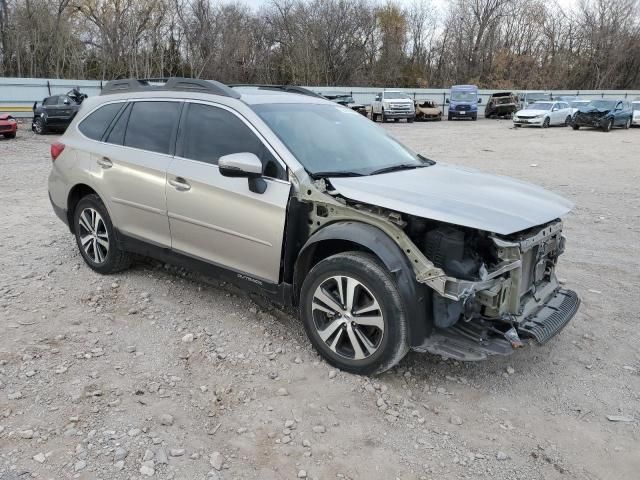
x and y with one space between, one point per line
283 88
171 84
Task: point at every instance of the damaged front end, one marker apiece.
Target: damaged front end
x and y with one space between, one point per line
591 117
490 291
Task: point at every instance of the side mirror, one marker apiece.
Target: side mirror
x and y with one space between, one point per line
446 101
66 101
479 100
243 165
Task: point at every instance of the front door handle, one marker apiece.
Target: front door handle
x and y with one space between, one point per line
104 162
180 184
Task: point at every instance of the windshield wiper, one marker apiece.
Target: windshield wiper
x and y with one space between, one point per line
395 168
337 173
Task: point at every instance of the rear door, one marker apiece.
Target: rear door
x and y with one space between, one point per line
216 218
132 164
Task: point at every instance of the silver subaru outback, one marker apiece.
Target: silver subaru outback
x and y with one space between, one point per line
381 249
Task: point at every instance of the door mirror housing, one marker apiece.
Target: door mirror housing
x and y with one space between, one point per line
67 102
446 101
479 100
242 164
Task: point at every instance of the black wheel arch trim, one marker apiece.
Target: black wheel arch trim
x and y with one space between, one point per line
415 296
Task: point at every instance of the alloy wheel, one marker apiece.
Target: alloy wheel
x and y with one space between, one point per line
93 235
348 317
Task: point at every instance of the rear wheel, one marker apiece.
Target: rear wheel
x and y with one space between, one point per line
353 313
567 121
627 124
384 118
96 238
546 123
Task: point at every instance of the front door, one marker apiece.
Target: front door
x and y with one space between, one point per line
216 218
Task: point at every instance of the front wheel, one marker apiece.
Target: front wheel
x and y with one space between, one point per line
575 127
39 126
608 126
96 238
546 123
410 120
627 124
353 313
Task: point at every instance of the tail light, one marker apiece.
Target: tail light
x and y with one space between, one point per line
56 150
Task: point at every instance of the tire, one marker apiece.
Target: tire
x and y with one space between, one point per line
410 120
39 126
517 125
396 120
627 124
575 127
567 121
546 123
449 116
608 126
384 118
9 135
331 328
95 218
474 118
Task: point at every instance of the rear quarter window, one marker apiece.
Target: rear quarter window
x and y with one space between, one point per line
97 122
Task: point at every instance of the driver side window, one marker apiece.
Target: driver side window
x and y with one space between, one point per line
208 133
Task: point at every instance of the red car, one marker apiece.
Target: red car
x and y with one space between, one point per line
8 125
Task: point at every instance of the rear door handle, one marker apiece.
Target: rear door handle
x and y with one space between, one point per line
104 162
180 183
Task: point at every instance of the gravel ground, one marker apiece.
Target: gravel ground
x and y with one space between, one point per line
158 372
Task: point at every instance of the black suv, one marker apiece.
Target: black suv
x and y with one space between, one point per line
56 112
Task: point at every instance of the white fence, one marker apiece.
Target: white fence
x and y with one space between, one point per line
17 95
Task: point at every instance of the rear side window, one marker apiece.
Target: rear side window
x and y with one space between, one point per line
50 101
96 124
116 135
210 133
152 126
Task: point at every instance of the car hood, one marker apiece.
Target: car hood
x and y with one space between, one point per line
531 112
458 195
594 110
398 100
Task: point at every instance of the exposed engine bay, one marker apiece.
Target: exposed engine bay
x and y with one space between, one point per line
485 285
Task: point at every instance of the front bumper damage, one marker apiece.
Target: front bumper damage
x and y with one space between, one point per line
518 298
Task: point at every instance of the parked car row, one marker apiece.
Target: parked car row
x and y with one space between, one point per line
602 114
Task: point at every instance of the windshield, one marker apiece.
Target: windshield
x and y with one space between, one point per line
540 106
330 138
344 98
461 96
396 96
579 103
603 104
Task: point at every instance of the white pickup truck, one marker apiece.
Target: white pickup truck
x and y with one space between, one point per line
390 104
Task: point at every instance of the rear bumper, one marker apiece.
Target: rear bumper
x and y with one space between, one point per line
60 212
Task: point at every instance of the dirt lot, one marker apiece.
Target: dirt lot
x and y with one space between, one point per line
158 372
